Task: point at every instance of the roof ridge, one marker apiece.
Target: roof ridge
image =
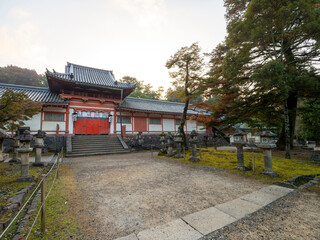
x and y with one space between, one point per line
155 100
23 86
82 66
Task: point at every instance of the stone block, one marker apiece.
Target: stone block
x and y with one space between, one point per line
260 198
208 220
238 208
175 230
276 190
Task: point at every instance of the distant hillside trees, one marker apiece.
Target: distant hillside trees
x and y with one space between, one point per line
22 76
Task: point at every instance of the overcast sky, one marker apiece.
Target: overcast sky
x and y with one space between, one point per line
130 37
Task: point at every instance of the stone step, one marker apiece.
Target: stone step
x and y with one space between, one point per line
96 145
96 153
97 150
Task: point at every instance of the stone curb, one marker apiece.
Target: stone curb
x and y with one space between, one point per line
199 224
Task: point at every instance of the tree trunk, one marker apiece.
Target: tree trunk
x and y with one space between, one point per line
287 129
291 104
185 110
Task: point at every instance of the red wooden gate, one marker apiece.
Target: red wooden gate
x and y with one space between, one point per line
90 125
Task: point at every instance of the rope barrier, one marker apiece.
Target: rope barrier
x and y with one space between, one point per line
55 162
34 221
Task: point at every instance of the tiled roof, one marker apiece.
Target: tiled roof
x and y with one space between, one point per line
37 94
148 105
89 76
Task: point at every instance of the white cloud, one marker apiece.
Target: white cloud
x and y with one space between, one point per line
19 13
145 12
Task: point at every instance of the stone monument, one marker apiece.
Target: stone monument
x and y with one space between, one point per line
15 145
39 144
24 150
178 140
194 140
170 144
238 142
206 140
3 136
267 143
140 140
163 150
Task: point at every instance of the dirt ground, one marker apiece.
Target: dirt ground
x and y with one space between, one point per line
128 193
296 216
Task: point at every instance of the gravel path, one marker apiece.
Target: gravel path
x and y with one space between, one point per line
131 192
296 216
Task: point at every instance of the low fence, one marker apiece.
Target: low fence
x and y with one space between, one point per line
41 186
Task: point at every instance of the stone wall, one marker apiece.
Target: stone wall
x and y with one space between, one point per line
51 144
153 140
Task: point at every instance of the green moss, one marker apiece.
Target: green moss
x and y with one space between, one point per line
8 175
61 221
286 168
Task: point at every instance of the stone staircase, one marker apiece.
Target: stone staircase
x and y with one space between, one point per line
86 145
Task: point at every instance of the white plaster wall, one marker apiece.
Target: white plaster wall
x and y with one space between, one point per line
168 125
52 126
128 127
191 125
112 123
34 123
71 121
155 127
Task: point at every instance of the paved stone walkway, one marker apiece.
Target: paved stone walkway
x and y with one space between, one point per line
129 193
196 225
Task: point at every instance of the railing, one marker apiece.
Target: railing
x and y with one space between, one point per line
41 187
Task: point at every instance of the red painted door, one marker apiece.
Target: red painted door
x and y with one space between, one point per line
140 124
80 126
103 126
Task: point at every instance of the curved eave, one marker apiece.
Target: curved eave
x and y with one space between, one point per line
152 111
50 74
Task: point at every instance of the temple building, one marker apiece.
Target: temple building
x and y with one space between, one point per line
89 101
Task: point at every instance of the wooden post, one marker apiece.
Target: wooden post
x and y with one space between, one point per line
151 152
184 152
253 166
43 209
200 152
58 165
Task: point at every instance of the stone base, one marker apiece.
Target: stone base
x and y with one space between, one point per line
272 174
25 179
3 157
315 157
15 160
178 156
40 164
242 168
162 154
169 155
194 159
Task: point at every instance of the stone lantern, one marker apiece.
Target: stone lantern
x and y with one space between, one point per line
267 143
239 142
24 150
163 150
194 140
3 135
206 140
39 144
178 140
140 141
170 144
15 145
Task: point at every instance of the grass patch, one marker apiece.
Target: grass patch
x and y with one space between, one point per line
286 168
9 172
33 154
61 221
